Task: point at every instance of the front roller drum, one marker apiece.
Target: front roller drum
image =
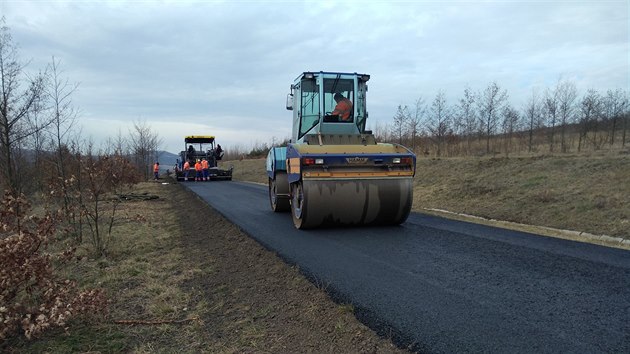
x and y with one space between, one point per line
317 203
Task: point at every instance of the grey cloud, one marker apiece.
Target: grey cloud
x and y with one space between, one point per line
229 64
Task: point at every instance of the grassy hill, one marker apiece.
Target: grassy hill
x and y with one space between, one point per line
587 193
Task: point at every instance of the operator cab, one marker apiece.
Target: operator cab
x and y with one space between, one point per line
199 147
312 100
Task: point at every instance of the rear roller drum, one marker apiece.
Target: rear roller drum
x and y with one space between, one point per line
279 193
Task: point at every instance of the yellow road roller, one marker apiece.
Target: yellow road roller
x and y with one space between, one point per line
333 172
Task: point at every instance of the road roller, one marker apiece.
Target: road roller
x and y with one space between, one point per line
333 172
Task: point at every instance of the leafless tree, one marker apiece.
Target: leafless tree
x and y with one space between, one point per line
144 144
400 122
18 107
118 144
58 92
491 102
614 106
550 109
467 117
415 121
31 152
567 94
533 114
439 121
590 110
510 124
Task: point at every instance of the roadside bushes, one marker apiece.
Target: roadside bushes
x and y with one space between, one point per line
87 195
33 297
34 250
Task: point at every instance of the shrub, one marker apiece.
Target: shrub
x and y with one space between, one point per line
33 297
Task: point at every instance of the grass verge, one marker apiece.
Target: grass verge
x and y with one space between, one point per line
585 193
183 279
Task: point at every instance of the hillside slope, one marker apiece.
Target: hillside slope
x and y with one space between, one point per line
583 193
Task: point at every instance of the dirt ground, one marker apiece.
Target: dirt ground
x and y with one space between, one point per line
257 302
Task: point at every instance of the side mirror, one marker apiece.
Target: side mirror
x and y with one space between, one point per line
290 102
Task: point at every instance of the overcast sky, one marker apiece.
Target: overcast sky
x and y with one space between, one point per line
224 67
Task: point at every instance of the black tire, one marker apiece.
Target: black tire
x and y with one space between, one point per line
278 193
298 206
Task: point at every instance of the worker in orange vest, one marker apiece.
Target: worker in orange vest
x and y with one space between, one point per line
198 176
204 166
186 170
156 170
343 107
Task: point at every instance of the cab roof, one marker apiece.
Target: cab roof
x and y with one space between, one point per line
311 74
199 139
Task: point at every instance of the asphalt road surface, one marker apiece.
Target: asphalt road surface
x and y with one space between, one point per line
447 286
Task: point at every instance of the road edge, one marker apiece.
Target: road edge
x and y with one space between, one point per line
579 236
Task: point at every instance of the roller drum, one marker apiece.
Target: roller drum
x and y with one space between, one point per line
351 201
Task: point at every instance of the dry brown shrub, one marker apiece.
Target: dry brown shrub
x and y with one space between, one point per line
33 297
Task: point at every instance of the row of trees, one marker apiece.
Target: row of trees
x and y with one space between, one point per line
76 187
38 123
560 119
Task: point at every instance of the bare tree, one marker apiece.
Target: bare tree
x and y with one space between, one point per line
439 121
511 122
533 113
614 107
550 109
18 107
567 94
590 110
467 117
400 122
59 93
118 144
415 121
491 102
144 144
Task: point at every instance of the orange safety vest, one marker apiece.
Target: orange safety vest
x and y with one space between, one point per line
156 168
204 164
186 165
198 166
343 109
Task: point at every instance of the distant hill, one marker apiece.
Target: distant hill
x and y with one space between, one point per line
167 159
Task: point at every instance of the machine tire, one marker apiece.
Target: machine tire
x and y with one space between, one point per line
299 206
278 193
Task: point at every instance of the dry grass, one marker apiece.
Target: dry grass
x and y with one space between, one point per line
588 193
184 261
248 170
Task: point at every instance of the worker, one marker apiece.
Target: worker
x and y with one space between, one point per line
186 170
191 153
204 167
219 153
343 109
198 176
156 170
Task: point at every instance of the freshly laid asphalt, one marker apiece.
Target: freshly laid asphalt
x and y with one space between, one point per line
438 285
